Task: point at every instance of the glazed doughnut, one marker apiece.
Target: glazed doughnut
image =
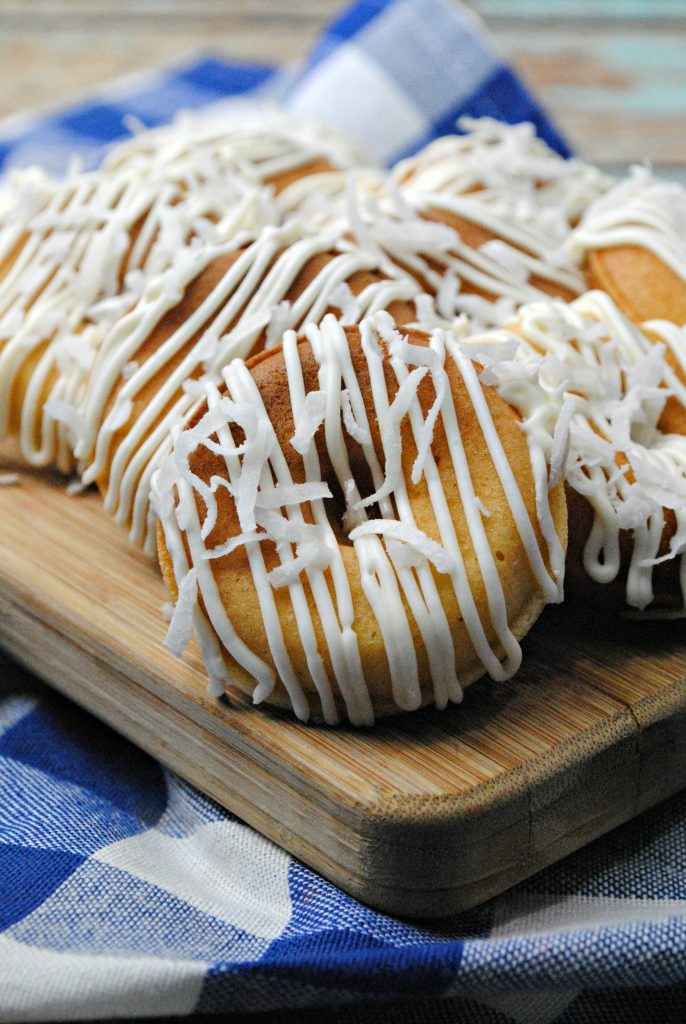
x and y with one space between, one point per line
227 301
303 162
632 243
356 526
75 255
503 162
625 473
508 202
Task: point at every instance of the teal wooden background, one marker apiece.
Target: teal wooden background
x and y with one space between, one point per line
613 72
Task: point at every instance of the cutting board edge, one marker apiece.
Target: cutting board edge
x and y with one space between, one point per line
376 850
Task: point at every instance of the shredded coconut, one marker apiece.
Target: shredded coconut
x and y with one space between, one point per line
181 625
310 418
412 537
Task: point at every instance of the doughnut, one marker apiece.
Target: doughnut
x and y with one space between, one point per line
626 467
504 161
355 525
632 244
227 301
75 255
303 162
508 202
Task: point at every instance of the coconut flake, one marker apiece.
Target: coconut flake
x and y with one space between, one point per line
282 495
446 296
260 440
342 298
119 416
235 542
414 538
66 413
310 418
392 438
313 554
181 624
481 507
426 312
357 432
434 360
76 487
186 443
353 515
561 443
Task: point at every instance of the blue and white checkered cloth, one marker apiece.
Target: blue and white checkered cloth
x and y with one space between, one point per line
392 74
124 892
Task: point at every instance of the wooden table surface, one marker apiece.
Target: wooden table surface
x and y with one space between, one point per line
612 72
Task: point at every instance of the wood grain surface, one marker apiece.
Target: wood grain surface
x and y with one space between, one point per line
425 815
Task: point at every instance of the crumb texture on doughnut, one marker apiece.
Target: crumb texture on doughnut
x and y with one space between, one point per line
355 525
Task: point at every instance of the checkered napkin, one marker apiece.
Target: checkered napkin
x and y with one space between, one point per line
392 74
125 892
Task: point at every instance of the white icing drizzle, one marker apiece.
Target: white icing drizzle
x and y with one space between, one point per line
396 560
257 141
613 381
398 228
228 324
72 265
640 211
505 162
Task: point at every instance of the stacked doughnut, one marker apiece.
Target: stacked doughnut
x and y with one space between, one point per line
346 405
614 385
77 254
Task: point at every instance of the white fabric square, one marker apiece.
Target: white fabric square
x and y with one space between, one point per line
355 95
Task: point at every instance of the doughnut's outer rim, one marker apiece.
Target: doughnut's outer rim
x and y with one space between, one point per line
243 684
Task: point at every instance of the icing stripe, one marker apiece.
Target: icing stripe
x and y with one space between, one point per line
396 562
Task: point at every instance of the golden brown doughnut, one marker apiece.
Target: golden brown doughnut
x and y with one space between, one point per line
298 643
231 303
632 242
626 467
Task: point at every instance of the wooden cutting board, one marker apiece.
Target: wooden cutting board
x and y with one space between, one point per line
425 815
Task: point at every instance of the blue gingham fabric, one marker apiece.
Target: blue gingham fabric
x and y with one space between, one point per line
392 74
124 892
